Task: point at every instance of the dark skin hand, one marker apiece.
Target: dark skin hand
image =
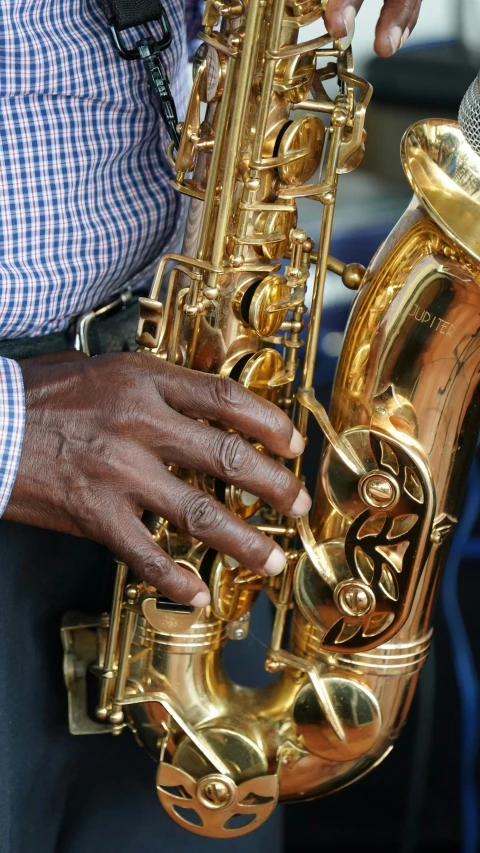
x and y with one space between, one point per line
396 22
100 434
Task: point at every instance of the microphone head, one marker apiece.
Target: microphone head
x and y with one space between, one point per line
469 115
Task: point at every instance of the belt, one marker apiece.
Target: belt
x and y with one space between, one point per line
109 328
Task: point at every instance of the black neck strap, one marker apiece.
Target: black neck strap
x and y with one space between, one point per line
124 14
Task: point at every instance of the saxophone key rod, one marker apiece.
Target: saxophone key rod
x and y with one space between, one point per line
107 673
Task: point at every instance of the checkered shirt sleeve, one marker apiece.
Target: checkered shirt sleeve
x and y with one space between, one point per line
12 421
86 204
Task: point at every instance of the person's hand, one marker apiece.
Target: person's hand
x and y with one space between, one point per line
396 22
100 434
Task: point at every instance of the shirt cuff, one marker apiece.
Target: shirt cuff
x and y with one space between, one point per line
12 424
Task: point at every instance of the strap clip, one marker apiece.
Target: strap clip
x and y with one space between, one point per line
148 50
159 84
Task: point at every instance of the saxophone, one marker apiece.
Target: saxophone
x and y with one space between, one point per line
264 127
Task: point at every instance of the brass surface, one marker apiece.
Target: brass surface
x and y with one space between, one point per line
305 133
261 131
444 173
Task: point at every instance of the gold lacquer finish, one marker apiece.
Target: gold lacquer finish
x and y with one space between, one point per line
260 132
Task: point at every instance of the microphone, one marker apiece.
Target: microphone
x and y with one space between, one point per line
469 115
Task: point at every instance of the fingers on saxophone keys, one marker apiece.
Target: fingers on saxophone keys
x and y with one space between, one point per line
203 518
232 459
340 16
133 543
217 398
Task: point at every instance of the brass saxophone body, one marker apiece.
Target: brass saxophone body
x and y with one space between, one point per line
353 608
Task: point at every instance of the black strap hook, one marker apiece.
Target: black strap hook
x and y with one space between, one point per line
120 16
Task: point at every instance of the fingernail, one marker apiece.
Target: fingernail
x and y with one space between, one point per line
276 562
349 16
302 504
405 37
297 443
395 38
201 599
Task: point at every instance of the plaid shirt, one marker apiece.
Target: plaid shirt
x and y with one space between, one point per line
85 203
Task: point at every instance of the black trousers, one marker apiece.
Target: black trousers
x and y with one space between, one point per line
59 793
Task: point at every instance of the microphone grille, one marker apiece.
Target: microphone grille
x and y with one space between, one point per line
469 115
